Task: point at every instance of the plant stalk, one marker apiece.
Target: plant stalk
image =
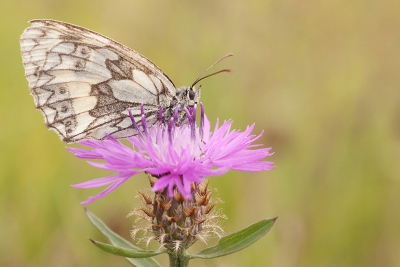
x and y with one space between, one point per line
179 259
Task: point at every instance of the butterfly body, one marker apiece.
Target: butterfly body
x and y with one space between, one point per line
84 83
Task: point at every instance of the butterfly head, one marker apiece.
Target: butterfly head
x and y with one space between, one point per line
188 96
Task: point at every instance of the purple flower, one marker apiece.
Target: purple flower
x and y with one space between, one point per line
176 155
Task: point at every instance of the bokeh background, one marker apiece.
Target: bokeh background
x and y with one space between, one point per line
320 78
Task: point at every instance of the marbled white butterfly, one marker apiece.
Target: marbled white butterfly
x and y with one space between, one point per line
84 83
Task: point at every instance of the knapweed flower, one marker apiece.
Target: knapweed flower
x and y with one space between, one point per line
176 156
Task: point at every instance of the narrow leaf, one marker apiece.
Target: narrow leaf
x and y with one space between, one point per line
237 241
126 252
121 242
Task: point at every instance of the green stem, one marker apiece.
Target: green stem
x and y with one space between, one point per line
179 259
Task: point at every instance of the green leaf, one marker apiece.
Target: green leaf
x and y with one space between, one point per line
117 240
127 252
236 241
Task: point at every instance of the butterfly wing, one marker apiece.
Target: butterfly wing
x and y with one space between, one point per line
84 82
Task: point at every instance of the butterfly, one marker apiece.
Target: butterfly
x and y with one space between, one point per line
84 83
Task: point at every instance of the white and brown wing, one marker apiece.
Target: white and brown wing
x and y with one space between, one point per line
84 82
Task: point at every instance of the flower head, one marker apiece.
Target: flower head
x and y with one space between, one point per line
176 155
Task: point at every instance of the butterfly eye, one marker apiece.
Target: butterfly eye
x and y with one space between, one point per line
191 94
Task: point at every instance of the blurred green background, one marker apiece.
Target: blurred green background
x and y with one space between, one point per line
321 78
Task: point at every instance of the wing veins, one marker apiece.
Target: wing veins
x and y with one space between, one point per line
79 97
87 111
107 122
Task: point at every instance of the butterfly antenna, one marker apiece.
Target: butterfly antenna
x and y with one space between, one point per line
224 70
